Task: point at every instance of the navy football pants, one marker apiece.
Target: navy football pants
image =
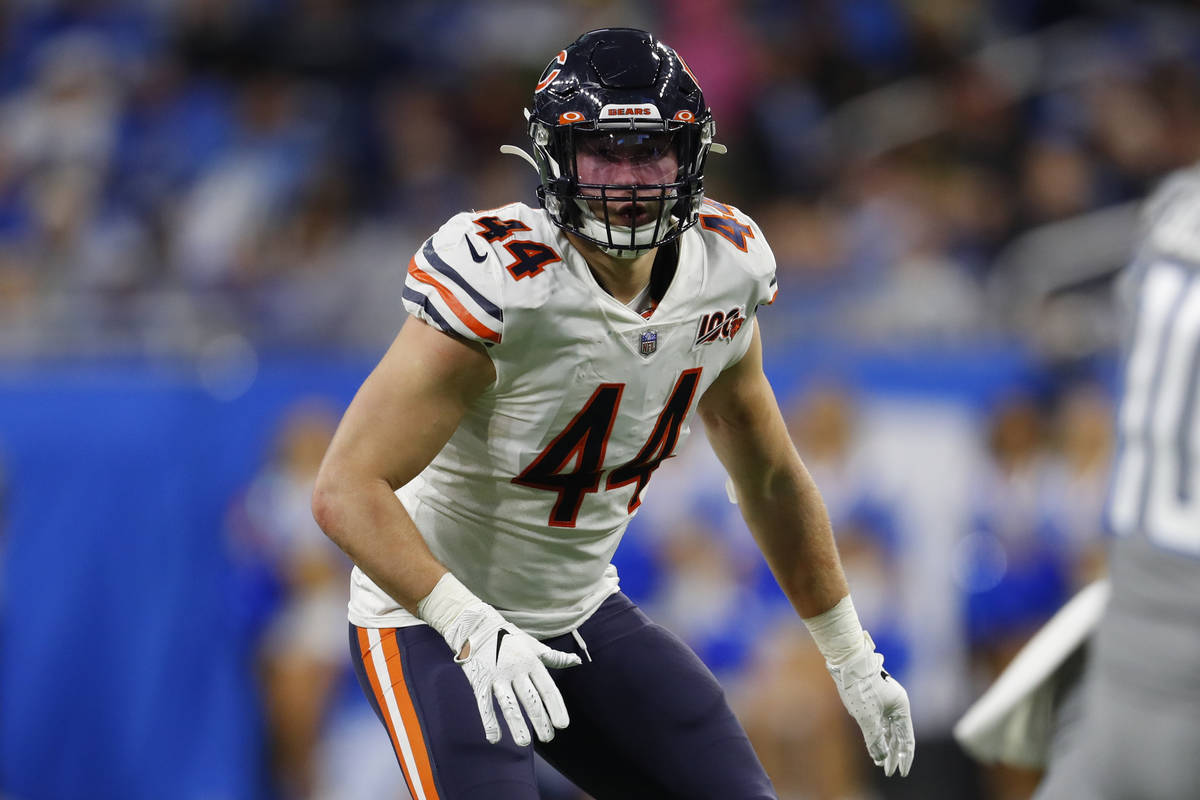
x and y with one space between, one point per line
648 719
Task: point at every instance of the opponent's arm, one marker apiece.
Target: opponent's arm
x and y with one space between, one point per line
403 414
784 511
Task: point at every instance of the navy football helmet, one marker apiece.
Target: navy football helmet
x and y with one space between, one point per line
620 94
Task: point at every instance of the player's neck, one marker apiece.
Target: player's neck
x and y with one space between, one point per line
623 278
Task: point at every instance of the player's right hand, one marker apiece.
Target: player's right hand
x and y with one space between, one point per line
502 661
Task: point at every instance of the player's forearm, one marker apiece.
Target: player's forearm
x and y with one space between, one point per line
366 519
784 510
777 496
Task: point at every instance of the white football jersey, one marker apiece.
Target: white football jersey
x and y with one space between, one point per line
528 500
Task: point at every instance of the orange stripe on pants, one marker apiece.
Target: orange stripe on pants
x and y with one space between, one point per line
368 656
408 711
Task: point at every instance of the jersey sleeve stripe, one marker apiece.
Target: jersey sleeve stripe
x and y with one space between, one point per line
423 302
473 325
440 266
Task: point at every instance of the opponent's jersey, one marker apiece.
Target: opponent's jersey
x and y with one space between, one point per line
1154 507
527 501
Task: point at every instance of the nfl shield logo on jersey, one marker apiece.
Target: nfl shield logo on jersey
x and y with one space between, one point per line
648 342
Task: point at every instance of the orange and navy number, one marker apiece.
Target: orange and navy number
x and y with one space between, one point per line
726 224
531 257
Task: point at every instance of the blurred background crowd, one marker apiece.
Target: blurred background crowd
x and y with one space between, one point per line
206 211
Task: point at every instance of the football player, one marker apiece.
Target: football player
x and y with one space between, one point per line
484 474
1139 735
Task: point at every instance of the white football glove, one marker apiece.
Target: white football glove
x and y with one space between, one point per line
879 705
501 661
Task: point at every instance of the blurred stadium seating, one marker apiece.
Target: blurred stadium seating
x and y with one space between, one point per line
206 209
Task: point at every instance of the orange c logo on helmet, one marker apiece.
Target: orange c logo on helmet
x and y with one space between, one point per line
685 116
544 82
561 58
567 117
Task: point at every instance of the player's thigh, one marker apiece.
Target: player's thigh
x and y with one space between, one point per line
1134 742
1146 740
648 719
1067 776
426 704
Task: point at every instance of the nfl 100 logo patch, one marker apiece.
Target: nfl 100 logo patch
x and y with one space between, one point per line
648 342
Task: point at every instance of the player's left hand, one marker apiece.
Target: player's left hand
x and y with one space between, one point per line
880 706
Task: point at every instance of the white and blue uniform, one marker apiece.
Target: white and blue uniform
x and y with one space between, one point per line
1140 732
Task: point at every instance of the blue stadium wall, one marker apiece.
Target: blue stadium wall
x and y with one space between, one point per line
123 652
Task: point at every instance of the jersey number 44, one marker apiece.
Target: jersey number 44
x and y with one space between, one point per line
583 442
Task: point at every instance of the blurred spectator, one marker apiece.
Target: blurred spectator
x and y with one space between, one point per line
423 155
164 147
1014 575
822 423
707 598
56 143
1056 182
921 292
67 114
301 288
302 654
1078 476
794 723
1038 515
174 127
231 207
1012 566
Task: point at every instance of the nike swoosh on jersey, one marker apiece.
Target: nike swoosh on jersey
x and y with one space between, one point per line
448 299
438 265
478 258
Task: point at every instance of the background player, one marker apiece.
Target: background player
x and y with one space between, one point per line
555 359
1140 730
